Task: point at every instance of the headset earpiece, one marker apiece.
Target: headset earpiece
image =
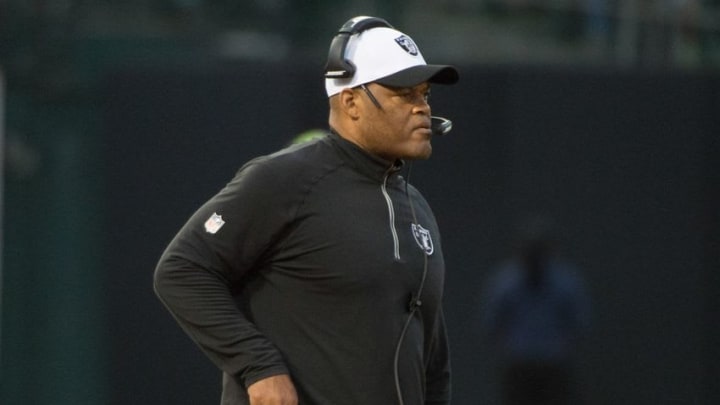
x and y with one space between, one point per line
337 66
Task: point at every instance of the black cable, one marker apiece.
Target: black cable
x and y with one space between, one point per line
415 301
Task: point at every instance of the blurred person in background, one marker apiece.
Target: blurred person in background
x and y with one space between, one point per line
536 309
316 275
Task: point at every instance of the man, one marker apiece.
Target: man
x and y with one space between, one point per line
316 275
535 312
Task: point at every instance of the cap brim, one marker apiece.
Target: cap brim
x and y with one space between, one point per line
412 76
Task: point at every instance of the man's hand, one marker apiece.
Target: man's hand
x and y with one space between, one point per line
275 390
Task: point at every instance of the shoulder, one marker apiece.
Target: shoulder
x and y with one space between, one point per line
505 276
283 178
566 275
290 164
416 195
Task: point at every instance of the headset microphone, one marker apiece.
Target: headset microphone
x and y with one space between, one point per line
440 125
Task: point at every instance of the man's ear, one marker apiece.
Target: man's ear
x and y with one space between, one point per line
348 101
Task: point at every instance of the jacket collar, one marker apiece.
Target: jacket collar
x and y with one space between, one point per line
365 162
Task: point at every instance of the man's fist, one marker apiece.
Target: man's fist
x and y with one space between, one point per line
275 390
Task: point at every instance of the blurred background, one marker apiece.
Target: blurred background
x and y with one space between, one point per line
117 119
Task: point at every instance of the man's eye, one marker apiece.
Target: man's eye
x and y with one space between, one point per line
412 96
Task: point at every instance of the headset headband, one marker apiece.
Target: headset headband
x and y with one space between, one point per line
337 66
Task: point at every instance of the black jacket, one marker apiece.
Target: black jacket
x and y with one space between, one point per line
305 263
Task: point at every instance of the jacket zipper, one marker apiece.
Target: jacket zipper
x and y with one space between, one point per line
391 212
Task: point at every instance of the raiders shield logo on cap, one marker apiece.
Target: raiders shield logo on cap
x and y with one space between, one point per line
407 44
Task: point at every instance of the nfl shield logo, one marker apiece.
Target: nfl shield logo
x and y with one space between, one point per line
214 223
423 239
407 44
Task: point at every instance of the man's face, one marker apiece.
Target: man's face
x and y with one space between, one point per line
401 129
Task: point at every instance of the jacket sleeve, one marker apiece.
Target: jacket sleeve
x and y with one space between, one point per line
438 388
214 251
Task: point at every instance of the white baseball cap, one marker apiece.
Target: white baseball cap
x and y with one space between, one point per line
387 56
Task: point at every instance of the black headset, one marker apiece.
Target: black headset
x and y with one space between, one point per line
337 66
